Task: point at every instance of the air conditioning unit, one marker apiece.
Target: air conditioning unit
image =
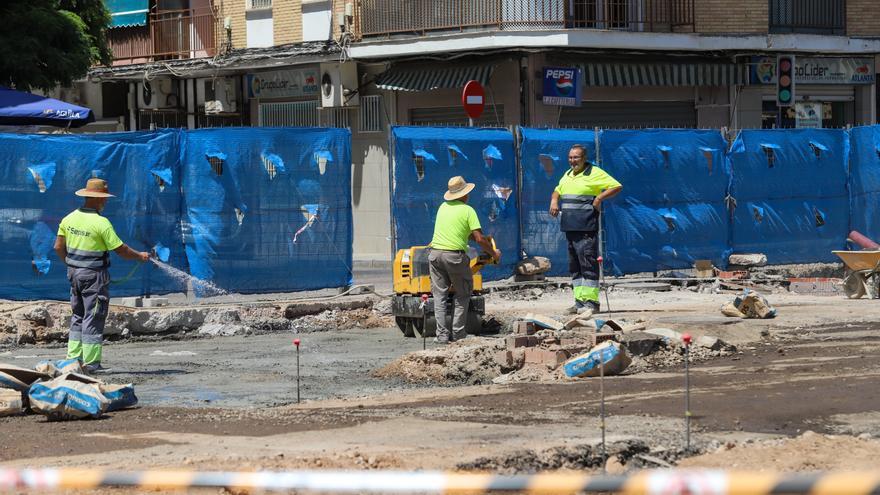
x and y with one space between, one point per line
224 97
155 94
339 85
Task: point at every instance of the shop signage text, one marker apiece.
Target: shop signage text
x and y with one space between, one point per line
284 84
562 86
817 70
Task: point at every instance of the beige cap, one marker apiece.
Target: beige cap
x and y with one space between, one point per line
458 188
95 188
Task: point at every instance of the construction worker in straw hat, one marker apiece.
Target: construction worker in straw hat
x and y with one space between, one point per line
579 197
449 262
84 241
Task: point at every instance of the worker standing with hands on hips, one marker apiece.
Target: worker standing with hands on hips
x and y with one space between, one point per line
579 197
448 259
83 243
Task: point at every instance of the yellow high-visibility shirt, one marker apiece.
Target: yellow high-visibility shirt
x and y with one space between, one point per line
455 221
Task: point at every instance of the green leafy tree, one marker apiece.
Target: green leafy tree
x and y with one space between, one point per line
44 43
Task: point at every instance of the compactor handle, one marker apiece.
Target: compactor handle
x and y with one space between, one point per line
487 258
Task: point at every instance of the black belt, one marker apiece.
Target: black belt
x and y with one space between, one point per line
449 250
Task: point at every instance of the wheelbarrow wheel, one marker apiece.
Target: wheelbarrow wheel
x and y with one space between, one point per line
855 285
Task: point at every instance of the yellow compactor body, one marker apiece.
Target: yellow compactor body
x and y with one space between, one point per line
413 303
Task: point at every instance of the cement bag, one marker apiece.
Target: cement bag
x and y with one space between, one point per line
69 396
611 353
120 396
11 402
18 378
60 367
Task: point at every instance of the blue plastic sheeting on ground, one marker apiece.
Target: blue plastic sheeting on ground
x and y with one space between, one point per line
671 211
790 188
544 159
38 177
864 186
268 209
424 161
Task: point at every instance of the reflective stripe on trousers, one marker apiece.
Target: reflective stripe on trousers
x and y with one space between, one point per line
89 301
583 264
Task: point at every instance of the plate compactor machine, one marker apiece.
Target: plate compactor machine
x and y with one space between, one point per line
413 303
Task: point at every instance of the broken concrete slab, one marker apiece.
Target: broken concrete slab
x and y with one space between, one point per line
143 302
713 343
577 321
641 343
695 320
299 309
533 266
544 321
756 259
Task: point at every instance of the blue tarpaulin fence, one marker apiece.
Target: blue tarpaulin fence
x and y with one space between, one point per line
864 183
424 161
671 211
791 194
289 183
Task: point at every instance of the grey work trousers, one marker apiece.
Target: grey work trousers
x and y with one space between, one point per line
451 269
89 301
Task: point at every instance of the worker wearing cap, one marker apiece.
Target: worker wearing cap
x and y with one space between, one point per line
449 262
579 197
84 241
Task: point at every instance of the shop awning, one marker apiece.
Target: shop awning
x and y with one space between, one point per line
623 75
427 79
127 13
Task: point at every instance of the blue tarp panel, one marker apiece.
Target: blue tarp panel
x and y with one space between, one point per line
671 211
424 161
268 209
864 185
38 176
791 194
544 158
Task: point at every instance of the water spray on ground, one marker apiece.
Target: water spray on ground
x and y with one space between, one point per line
203 287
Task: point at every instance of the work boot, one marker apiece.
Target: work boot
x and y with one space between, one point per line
94 368
440 342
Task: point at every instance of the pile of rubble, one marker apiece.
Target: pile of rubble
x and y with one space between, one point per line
539 349
47 322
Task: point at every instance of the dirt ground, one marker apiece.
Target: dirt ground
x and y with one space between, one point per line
798 394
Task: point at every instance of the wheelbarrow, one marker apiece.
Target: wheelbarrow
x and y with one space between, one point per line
862 273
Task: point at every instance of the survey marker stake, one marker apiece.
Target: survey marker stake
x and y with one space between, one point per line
602 406
296 343
686 338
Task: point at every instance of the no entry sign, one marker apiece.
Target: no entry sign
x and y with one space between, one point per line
473 99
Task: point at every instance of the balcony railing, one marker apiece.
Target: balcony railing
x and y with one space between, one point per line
388 17
809 16
167 35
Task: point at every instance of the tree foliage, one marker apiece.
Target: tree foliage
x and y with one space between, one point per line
44 43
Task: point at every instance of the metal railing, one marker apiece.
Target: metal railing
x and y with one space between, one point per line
808 16
167 35
258 4
387 17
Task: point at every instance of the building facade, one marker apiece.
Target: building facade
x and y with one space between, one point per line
370 64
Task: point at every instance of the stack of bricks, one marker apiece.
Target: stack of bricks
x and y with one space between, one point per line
546 349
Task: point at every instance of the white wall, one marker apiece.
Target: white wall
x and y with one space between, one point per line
260 28
317 17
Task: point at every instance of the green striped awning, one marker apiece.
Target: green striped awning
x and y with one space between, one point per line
127 13
622 75
427 79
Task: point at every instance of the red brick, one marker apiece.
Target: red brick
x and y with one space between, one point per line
534 355
524 328
598 338
504 358
514 341
554 359
533 341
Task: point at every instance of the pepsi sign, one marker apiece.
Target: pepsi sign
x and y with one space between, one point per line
562 86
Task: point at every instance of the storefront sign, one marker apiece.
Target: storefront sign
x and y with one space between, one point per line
808 115
295 83
817 70
562 86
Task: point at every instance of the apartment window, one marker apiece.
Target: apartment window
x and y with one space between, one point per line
808 16
258 4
